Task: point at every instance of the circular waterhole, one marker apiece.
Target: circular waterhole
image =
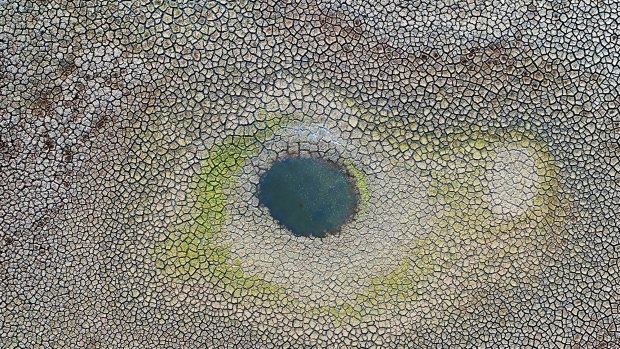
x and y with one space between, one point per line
309 197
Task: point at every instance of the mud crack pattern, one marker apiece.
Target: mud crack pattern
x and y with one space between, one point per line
483 139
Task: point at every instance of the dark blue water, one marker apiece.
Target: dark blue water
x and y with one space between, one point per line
309 197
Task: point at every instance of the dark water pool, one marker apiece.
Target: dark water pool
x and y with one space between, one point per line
308 196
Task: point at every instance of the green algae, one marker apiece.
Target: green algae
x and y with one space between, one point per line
457 170
199 253
361 181
198 250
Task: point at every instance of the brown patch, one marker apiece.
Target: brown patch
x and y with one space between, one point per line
41 107
115 79
4 146
66 68
67 154
615 127
48 142
101 123
80 86
9 149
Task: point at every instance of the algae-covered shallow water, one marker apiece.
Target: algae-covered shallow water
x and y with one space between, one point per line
309 197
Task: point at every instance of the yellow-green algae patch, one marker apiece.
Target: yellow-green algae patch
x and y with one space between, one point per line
456 163
458 171
196 250
460 188
455 160
361 182
403 284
